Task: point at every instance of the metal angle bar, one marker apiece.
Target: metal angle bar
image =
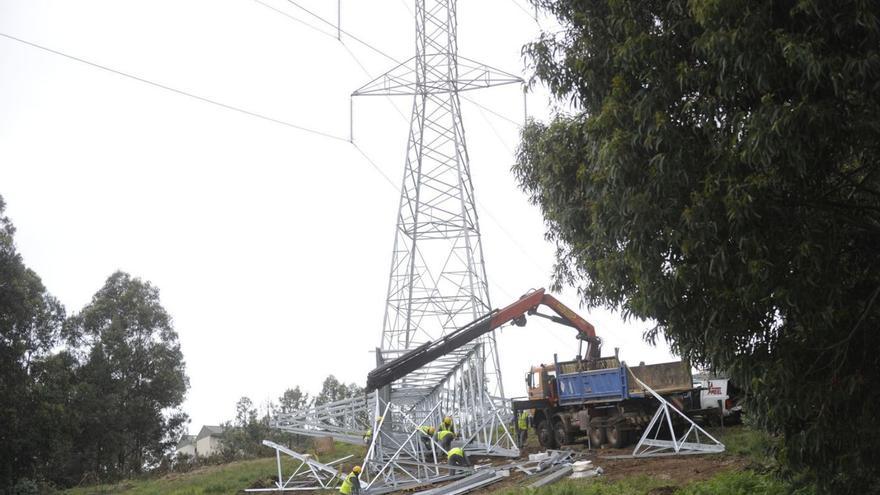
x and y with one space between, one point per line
555 474
478 477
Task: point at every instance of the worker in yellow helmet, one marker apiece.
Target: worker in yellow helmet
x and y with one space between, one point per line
426 433
445 437
351 485
447 425
456 457
522 426
368 435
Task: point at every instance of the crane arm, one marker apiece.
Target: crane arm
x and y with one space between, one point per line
515 312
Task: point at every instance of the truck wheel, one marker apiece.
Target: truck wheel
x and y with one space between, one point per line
616 436
545 435
561 436
597 437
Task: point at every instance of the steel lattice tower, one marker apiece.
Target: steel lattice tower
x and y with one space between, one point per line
437 281
438 276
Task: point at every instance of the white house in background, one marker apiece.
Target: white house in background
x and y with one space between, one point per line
187 445
208 441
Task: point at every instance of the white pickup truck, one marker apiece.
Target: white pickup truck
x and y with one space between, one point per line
718 394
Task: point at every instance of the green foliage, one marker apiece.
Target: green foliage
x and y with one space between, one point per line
333 390
638 485
30 326
721 176
293 399
90 397
755 445
242 439
226 478
134 377
737 483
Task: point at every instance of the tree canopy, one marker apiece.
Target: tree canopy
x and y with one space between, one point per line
30 326
136 366
719 174
91 397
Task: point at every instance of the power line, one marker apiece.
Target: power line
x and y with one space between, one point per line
175 90
375 166
482 107
297 19
493 112
265 117
334 26
345 46
531 15
367 72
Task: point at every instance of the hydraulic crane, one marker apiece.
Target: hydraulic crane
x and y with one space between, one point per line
515 312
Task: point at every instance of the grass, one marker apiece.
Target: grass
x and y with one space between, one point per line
223 479
742 442
640 485
728 483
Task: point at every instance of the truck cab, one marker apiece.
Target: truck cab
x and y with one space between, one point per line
539 382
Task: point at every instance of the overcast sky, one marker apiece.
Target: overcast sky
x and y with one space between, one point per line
271 245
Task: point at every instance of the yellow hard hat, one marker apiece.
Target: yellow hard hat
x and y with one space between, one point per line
447 419
431 430
378 418
356 470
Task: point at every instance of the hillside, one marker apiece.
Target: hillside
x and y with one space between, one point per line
742 469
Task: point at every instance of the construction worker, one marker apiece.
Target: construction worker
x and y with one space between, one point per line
351 485
522 425
447 425
445 437
425 434
368 436
456 457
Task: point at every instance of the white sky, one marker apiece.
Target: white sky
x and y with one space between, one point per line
271 246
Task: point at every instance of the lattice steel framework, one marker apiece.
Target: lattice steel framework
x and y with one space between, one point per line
437 281
438 277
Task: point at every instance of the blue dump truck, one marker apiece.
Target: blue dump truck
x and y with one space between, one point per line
601 399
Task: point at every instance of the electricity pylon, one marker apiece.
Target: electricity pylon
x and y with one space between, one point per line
438 276
437 281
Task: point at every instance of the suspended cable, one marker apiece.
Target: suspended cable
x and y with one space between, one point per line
175 90
262 116
408 9
344 45
334 26
532 16
493 112
375 166
367 72
297 19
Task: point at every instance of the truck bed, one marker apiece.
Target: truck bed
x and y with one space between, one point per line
617 383
664 378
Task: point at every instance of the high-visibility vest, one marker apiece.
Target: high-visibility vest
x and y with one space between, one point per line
425 430
456 451
369 433
345 489
524 421
444 433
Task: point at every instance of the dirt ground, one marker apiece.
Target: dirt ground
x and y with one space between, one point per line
677 470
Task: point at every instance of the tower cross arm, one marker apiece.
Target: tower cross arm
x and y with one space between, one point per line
402 80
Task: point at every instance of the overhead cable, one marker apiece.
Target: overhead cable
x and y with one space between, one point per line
175 90
334 26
